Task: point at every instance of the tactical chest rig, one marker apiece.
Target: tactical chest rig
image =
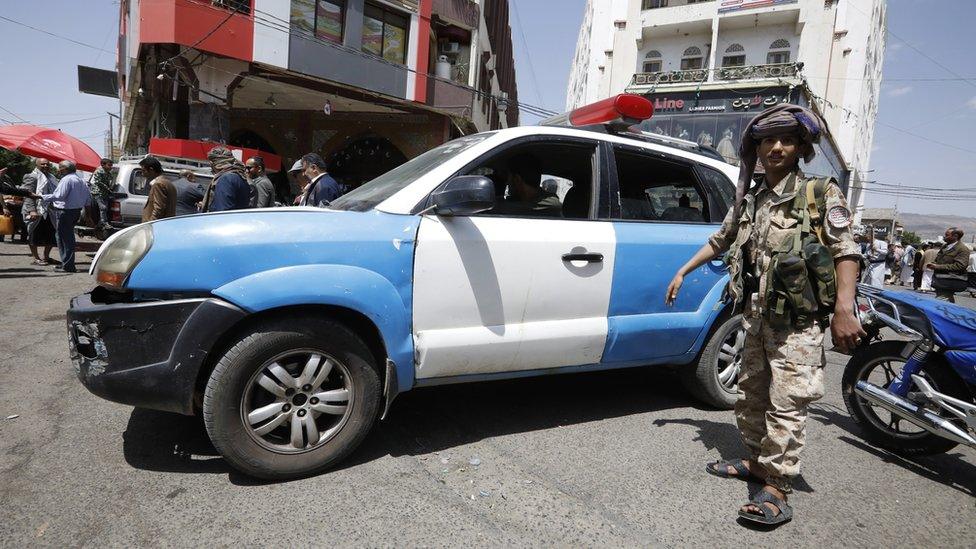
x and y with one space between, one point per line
801 282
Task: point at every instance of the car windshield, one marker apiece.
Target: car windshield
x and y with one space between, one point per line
379 189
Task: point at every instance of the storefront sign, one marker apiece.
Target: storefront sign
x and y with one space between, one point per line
728 6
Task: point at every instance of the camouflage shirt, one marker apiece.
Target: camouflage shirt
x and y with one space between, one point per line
766 222
101 183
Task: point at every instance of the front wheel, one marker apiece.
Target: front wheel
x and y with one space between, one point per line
879 364
292 398
714 378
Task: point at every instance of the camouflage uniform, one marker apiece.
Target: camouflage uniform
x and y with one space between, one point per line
782 369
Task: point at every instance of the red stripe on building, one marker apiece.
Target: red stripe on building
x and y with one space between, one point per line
185 22
423 50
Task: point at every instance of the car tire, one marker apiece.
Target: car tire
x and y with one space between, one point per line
251 381
712 380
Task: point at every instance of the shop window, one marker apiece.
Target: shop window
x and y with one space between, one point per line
735 56
328 20
385 33
323 18
779 52
691 59
652 61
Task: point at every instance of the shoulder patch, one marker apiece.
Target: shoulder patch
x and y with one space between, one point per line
839 217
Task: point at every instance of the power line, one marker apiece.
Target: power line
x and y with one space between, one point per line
918 51
528 57
15 115
230 13
72 40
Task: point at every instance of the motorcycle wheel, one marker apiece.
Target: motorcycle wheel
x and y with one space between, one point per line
879 363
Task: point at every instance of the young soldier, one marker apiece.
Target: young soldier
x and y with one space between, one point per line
783 359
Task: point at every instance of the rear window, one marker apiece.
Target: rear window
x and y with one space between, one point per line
139 186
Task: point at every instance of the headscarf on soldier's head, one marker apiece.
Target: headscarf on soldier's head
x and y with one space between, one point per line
223 162
776 120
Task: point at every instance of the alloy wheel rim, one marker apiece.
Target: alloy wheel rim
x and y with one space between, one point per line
883 378
297 401
729 359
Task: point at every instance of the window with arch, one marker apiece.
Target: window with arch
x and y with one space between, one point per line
735 56
692 59
652 61
779 52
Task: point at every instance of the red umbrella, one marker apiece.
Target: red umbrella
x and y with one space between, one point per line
54 145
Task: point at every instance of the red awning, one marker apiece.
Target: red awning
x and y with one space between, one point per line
197 150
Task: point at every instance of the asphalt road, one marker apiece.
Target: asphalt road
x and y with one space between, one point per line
613 458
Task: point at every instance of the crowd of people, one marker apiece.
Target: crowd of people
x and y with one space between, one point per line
945 268
54 200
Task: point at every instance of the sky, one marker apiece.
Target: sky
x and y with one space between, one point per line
39 82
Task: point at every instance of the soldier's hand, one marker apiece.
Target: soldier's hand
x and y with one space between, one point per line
673 288
846 331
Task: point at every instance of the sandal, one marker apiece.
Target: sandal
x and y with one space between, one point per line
721 469
39 262
768 516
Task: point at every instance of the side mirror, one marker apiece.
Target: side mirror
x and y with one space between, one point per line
465 195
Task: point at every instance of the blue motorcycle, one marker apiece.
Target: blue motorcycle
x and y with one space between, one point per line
914 394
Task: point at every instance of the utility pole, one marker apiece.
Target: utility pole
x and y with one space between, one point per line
111 134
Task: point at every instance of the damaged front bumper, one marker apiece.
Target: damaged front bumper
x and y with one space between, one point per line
145 354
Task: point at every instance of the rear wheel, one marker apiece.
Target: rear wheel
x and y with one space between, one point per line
714 379
292 398
879 364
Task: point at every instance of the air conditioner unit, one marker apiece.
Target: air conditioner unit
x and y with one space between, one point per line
451 47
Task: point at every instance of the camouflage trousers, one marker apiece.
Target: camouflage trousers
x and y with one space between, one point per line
781 374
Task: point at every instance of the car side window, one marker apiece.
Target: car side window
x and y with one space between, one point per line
655 189
720 188
138 184
541 179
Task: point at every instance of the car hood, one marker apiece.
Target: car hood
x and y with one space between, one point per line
200 253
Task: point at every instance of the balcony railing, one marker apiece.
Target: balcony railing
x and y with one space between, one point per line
654 4
747 72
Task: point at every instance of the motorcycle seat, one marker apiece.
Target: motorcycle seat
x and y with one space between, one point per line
953 326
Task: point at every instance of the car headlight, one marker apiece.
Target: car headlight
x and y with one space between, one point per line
121 255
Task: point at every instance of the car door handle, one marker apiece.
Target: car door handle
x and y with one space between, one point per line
588 257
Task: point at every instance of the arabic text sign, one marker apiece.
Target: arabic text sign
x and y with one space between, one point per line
728 6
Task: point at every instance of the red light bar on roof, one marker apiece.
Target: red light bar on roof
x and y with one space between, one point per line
621 110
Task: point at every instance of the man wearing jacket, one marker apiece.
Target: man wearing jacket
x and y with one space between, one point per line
161 202
950 266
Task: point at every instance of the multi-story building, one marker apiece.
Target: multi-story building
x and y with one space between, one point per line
709 65
366 83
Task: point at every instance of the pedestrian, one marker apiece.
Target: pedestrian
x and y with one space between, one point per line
322 189
783 360
262 190
297 182
917 266
928 258
907 262
40 232
877 258
102 185
161 202
229 190
189 193
8 188
971 272
894 264
67 200
949 267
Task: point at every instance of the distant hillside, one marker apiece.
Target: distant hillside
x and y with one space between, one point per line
931 227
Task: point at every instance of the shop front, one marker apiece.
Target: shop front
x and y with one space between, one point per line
716 118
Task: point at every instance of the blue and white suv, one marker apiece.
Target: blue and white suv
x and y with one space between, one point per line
526 251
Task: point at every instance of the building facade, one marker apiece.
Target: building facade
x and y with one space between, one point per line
367 84
709 65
